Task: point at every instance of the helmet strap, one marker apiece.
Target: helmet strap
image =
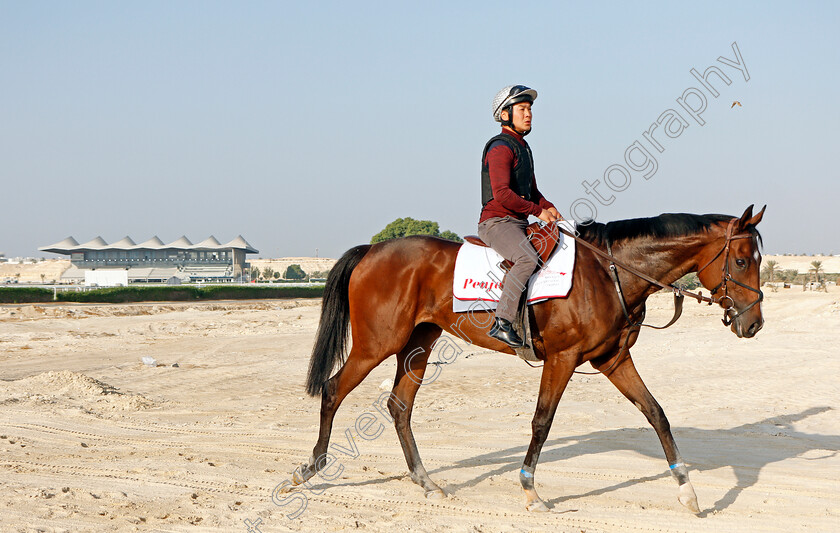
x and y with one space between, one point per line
509 121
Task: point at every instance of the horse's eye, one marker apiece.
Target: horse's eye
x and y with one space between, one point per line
741 263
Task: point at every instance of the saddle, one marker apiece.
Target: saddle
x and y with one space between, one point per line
542 238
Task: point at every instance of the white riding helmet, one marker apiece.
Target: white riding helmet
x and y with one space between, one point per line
512 94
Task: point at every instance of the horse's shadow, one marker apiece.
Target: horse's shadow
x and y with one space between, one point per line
728 443
694 443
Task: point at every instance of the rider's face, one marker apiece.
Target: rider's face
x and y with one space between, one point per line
521 117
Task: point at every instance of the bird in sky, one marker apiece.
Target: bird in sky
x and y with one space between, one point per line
735 103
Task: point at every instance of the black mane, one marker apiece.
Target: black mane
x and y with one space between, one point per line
665 225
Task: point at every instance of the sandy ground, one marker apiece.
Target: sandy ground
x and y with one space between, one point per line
31 272
91 439
307 264
802 263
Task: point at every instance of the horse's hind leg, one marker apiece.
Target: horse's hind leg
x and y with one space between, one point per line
358 365
625 377
411 366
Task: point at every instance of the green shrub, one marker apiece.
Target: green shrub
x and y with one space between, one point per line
131 294
160 294
294 272
240 292
403 227
15 295
688 282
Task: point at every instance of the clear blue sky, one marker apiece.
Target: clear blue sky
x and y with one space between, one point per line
304 125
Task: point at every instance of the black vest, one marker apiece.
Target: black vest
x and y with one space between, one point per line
520 182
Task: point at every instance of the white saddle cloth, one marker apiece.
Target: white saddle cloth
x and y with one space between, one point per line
477 275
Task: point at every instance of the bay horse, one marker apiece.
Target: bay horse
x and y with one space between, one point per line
396 297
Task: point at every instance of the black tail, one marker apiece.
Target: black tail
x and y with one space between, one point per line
331 341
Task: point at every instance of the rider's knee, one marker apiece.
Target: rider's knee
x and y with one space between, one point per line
530 260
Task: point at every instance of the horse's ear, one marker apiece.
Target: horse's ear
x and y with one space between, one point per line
757 218
745 218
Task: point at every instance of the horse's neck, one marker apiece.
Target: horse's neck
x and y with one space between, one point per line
665 260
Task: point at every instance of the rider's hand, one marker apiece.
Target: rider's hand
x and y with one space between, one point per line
554 212
548 216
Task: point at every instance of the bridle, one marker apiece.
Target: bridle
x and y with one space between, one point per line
730 313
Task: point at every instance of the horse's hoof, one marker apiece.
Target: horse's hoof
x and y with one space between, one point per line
289 487
435 494
299 477
537 506
688 498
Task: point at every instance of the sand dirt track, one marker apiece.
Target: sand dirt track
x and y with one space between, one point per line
93 440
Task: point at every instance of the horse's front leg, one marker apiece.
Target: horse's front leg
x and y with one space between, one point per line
555 376
625 377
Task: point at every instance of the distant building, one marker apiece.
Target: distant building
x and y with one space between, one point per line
154 261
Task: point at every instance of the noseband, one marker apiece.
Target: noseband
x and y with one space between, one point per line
730 313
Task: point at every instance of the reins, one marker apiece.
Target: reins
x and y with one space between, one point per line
677 291
613 261
679 294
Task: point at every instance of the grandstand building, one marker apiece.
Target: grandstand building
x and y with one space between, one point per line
154 261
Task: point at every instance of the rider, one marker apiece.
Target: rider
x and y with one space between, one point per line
509 194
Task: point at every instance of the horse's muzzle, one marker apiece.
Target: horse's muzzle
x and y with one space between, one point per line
748 332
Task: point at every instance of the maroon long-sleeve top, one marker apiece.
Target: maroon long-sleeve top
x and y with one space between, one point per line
500 161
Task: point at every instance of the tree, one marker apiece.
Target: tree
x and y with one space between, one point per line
294 272
789 275
268 273
770 269
277 275
450 236
689 282
816 268
319 274
403 227
255 273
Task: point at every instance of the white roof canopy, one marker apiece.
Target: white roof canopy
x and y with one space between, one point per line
70 245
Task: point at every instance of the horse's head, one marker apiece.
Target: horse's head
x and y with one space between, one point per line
729 266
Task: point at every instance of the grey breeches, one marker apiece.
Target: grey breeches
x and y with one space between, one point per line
507 236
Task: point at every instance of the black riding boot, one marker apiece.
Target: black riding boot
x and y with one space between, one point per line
503 330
